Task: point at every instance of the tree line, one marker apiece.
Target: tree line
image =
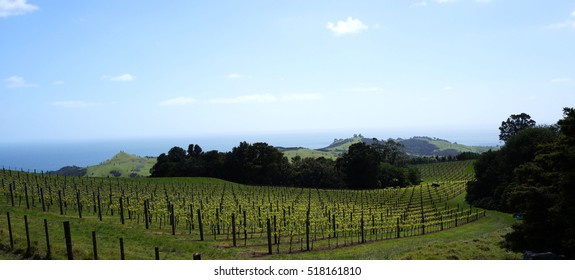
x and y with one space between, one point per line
364 166
532 176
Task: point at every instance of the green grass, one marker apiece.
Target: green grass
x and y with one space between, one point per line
124 163
443 145
309 153
331 152
477 240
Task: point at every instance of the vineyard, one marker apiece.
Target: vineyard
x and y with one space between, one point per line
58 217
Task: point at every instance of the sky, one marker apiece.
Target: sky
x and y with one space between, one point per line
86 70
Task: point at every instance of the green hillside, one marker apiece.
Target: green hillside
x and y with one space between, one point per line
338 147
123 165
428 146
416 146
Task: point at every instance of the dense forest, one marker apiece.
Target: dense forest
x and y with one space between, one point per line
364 166
532 176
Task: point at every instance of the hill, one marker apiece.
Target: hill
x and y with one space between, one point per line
428 146
122 165
128 165
415 146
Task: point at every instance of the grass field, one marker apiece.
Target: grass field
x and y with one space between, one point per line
126 164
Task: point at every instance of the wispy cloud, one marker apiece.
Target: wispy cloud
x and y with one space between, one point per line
568 23
561 80
418 4
266 98
73 104
15 8
234 76
365 89
301 97
254 98
178 101
349 26
120 78
58 83
17 82
444 1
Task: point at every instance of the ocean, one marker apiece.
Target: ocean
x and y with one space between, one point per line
49 156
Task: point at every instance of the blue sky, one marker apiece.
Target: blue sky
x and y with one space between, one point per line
79 70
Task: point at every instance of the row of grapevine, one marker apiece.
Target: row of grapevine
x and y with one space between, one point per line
254 217
447 171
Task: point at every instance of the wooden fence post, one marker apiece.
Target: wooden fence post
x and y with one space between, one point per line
398 229
362 224
200 225
99 208
157 253
48 250
146 214
173 219
122 256
26 195
79 203
10 230
269 236
12 192
42 199
28 246
94 245
234 229
60 202
121 210
68 237
307 224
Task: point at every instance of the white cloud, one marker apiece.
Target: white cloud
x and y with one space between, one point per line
15 8
254 98
72 104
349 26
365 89
444 1
120 78
568 23
418 4
234 76
58 83
301 97
564 24
560 80
17 82
178 101
266 98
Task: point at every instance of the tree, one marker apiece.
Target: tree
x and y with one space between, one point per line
513 125
257 163
360 166
316 173
544 194
495 170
